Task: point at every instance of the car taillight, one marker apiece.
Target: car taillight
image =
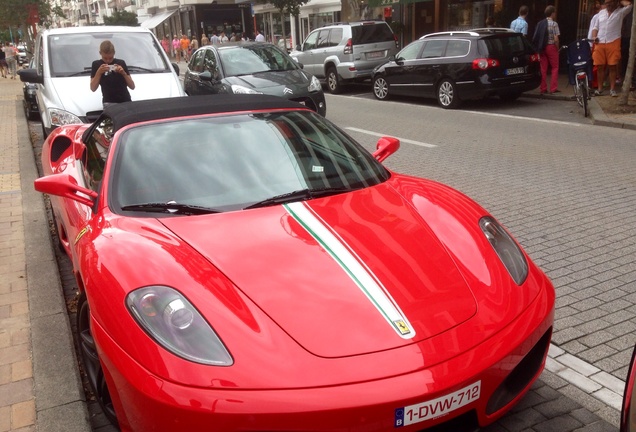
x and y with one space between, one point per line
534 58
397 44
348 49
485 63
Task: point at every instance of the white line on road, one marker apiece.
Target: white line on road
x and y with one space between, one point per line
516 117
404 140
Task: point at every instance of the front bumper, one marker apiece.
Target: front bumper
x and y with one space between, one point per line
505 365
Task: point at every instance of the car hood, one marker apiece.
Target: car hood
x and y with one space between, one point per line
273 83
344 275
73 94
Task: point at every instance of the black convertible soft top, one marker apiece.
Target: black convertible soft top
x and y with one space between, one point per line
126 113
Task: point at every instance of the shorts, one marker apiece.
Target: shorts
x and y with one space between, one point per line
607 53
3 63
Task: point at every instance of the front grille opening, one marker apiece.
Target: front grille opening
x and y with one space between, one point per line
520 376
466 422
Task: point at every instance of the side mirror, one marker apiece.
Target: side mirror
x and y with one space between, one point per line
65 186
298 47
176 68
207 76
385 147
30 76
628 412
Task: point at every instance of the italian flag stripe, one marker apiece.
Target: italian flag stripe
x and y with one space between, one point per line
353 266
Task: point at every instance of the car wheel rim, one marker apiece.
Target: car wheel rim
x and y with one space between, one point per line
333 81
446 93
380 88
92 366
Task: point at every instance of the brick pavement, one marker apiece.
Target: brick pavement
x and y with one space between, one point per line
572 395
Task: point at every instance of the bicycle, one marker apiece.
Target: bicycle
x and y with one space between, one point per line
579 59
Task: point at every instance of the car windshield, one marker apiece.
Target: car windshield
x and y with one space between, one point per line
236 162
73 54
249 60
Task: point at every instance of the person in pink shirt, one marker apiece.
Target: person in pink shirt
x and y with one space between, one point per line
165 44
176 48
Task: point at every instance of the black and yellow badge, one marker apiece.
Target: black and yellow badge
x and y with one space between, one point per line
402 327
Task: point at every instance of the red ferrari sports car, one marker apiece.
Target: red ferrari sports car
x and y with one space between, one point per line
245 265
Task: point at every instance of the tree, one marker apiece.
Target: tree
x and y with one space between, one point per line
629 73
16 16
123 18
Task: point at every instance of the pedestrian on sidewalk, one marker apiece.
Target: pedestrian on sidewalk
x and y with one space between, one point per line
176 48
607 36
546 41
3 64
520 25
10 54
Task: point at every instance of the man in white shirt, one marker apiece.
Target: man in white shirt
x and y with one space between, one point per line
606 31
259 37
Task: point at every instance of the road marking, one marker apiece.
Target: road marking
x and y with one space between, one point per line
404 140
516 117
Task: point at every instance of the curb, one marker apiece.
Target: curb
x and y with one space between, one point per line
59 397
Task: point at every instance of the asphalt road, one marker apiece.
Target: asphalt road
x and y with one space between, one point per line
563 187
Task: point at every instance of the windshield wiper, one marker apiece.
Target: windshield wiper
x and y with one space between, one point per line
299 195
142 69
171 207
86 70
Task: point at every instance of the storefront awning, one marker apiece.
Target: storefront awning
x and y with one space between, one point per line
154 21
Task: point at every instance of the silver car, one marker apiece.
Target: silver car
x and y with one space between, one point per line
346 52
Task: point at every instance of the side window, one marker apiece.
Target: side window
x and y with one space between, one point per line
457 48
196 64
411 51
335 36
96 152
323 39
434 48
209 64
310 42
40 53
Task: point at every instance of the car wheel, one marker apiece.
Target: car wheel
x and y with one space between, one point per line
333 82
447 96
380 88
90 360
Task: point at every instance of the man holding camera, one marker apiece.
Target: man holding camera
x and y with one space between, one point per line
112 75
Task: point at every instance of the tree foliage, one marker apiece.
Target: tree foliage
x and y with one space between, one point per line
122 18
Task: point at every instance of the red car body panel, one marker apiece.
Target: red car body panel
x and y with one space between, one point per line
310 351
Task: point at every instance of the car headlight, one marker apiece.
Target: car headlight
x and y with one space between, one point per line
314 85
238 89
506 248
60 117
170 319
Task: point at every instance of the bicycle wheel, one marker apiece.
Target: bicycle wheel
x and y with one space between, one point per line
585 95
578 93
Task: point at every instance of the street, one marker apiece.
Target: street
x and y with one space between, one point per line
565 189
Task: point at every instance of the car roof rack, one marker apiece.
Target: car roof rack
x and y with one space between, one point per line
471 32
352 22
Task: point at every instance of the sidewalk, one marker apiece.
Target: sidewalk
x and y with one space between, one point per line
597 115
40 386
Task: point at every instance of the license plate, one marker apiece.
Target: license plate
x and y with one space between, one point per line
437 407
514 71
375 54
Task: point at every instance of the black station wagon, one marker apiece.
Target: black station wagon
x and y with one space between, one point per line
461 65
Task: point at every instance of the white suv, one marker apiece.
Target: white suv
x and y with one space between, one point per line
63 59
345 52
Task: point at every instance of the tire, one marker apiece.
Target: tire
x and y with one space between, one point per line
447 96
585 94
333 81
380 88
90 360
578 93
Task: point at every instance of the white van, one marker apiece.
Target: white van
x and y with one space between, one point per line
63 69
